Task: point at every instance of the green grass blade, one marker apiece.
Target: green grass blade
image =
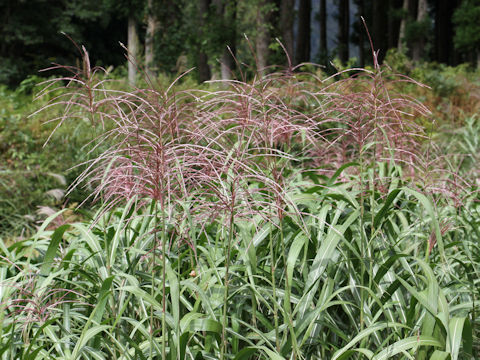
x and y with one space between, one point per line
94 318
384 210
456 326
324 254
427 204
52 250
409 343
361 336
440 355
86 337
118 232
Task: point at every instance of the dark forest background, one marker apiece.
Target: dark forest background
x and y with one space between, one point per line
171 36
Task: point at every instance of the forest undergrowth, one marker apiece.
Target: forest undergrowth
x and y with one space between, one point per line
284 216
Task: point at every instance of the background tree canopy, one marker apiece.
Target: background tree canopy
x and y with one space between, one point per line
175 35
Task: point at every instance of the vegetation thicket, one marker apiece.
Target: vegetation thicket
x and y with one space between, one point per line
287 215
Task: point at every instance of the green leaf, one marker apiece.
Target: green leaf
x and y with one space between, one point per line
468 337
456 326
205 325
324 254
95 318
337 173
361 336
245 353
52 250
33 340
295 248
118 232
142 294
440 355
427 204
368 353
174 293
383 211
87 336
33 354
272 354
430 297
406 344
261 234
383 269
102 300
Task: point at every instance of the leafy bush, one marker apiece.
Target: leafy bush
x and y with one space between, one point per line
454 91
30 176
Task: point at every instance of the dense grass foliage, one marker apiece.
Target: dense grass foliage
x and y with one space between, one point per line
34 179
290 216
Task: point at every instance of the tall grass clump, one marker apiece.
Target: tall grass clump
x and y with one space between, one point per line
280 216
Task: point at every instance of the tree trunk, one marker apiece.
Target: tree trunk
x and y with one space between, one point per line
403 23
132 50
302 52
262 40
286 25
409 12
228 61
222 13
149 40
418 46
393 22
323 30
343 29
226 12
444 31
204 72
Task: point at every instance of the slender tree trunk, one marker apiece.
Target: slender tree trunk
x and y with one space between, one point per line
218 7
418 46
409 12
323 30
262 41
286 25
132 50
403 24
149 40
344 29
227 61
226 11
393 22
444 31
204 72
302 51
